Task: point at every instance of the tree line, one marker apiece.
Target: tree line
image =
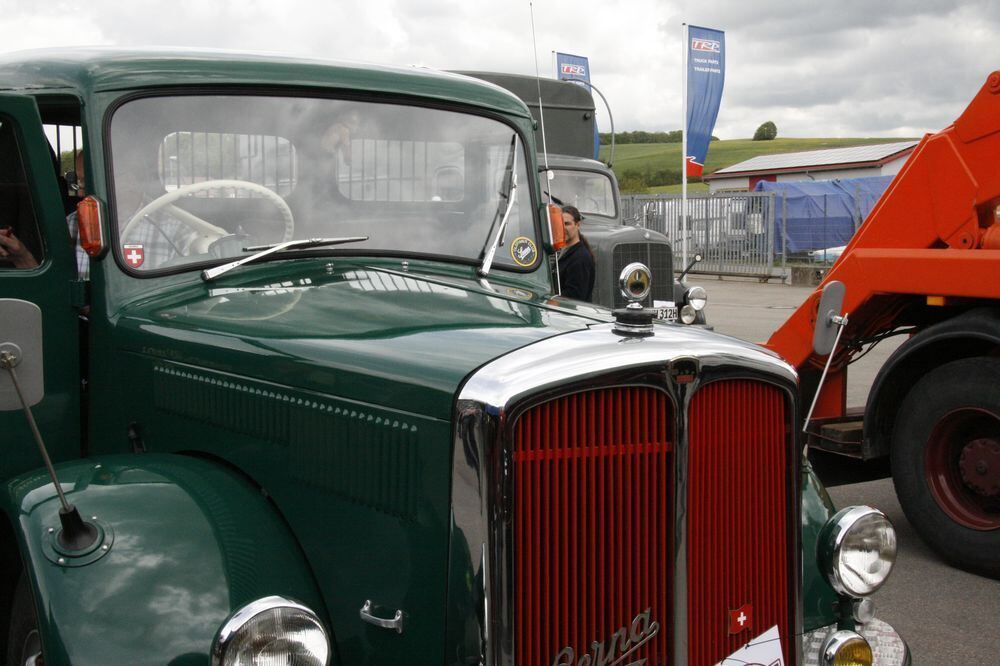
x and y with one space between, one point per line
766 132
673 136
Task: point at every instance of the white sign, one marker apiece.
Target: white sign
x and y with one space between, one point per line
764 650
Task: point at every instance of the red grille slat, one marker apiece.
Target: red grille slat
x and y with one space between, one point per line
737 525
592 519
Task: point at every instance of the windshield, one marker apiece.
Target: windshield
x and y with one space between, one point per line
589 191
201 178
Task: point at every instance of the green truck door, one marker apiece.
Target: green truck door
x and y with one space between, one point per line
31 206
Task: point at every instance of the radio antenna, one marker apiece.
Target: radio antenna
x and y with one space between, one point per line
538 83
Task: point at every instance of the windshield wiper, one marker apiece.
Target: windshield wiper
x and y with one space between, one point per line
261 251
508 195
556 200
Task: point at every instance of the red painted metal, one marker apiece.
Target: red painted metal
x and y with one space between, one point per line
959 441
933 232
593 475
738 551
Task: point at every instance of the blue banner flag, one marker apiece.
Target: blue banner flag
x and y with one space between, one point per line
706 73
576 67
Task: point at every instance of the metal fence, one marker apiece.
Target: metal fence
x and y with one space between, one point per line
733 232
750 233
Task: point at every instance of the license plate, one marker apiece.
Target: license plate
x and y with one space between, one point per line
666 313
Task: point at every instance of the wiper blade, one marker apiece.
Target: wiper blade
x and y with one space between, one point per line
509 193
261 251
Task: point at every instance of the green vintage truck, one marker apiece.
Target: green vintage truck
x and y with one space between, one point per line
310 398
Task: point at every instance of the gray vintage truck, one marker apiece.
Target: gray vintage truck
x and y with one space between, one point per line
573 177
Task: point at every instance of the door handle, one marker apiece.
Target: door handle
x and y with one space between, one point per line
396 623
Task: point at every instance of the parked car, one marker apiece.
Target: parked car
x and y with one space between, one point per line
318 401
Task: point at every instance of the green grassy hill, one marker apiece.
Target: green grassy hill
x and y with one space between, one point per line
650 158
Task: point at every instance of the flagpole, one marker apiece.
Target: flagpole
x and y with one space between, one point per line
684 144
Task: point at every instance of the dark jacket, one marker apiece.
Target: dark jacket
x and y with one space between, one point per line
576 272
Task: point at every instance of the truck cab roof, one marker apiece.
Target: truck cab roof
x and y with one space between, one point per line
98 69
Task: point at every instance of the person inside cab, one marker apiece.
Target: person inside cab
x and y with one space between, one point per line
576 260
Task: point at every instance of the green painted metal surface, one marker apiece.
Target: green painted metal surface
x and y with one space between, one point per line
48 286
296 416
819 601
334 393
93 70
193 542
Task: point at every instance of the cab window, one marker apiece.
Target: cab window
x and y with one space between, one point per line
20 242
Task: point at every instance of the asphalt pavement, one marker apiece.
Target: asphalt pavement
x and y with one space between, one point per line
947 616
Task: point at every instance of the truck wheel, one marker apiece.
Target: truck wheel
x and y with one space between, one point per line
23 640
946 462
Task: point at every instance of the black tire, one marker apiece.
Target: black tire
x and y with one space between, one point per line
22 635
955 509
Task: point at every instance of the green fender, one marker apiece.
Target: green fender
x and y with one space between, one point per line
819 600
190 542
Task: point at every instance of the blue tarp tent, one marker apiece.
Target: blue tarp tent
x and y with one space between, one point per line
817 214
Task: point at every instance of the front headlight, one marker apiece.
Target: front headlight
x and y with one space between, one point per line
858 550
697 298
272 630
846 648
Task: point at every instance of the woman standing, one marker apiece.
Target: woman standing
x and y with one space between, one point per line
576 260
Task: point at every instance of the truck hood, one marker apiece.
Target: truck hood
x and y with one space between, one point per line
359 331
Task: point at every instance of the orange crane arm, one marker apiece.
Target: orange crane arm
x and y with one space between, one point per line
933 232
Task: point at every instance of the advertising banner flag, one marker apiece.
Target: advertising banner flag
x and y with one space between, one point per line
706 73
570 66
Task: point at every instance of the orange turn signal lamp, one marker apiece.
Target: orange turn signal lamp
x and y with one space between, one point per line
557 230
88 216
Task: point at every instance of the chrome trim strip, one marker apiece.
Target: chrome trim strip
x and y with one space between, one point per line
493 397
236 621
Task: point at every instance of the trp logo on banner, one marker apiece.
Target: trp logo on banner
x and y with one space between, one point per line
706 74
709 45
576 67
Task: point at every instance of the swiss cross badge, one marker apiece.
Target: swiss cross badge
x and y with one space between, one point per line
134 255
740 619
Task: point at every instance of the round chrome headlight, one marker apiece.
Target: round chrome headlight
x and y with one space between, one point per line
697 298
858 550
272 630
688 314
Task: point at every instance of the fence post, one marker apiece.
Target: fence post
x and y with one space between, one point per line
769 222
857 207
826 226
784 232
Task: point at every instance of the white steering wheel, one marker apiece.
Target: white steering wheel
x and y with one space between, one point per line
209 233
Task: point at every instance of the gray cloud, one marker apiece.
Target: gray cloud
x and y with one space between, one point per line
846 68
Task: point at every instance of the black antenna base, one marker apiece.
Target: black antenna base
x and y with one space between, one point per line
75 533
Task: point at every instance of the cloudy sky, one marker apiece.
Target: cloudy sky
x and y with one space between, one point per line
844 68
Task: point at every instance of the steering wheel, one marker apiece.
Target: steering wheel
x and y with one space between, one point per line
209 233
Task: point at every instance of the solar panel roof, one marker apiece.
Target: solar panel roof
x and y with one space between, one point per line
819 158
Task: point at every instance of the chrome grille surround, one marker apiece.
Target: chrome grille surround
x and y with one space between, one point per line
495 395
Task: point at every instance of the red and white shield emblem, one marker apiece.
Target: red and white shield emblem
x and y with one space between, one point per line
740 619
134 255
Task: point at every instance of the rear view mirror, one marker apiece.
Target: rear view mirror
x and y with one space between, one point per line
827 317
21 344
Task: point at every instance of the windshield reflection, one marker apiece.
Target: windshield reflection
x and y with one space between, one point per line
201 178
590 191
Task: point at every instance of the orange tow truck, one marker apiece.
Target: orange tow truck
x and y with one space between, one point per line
925 264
